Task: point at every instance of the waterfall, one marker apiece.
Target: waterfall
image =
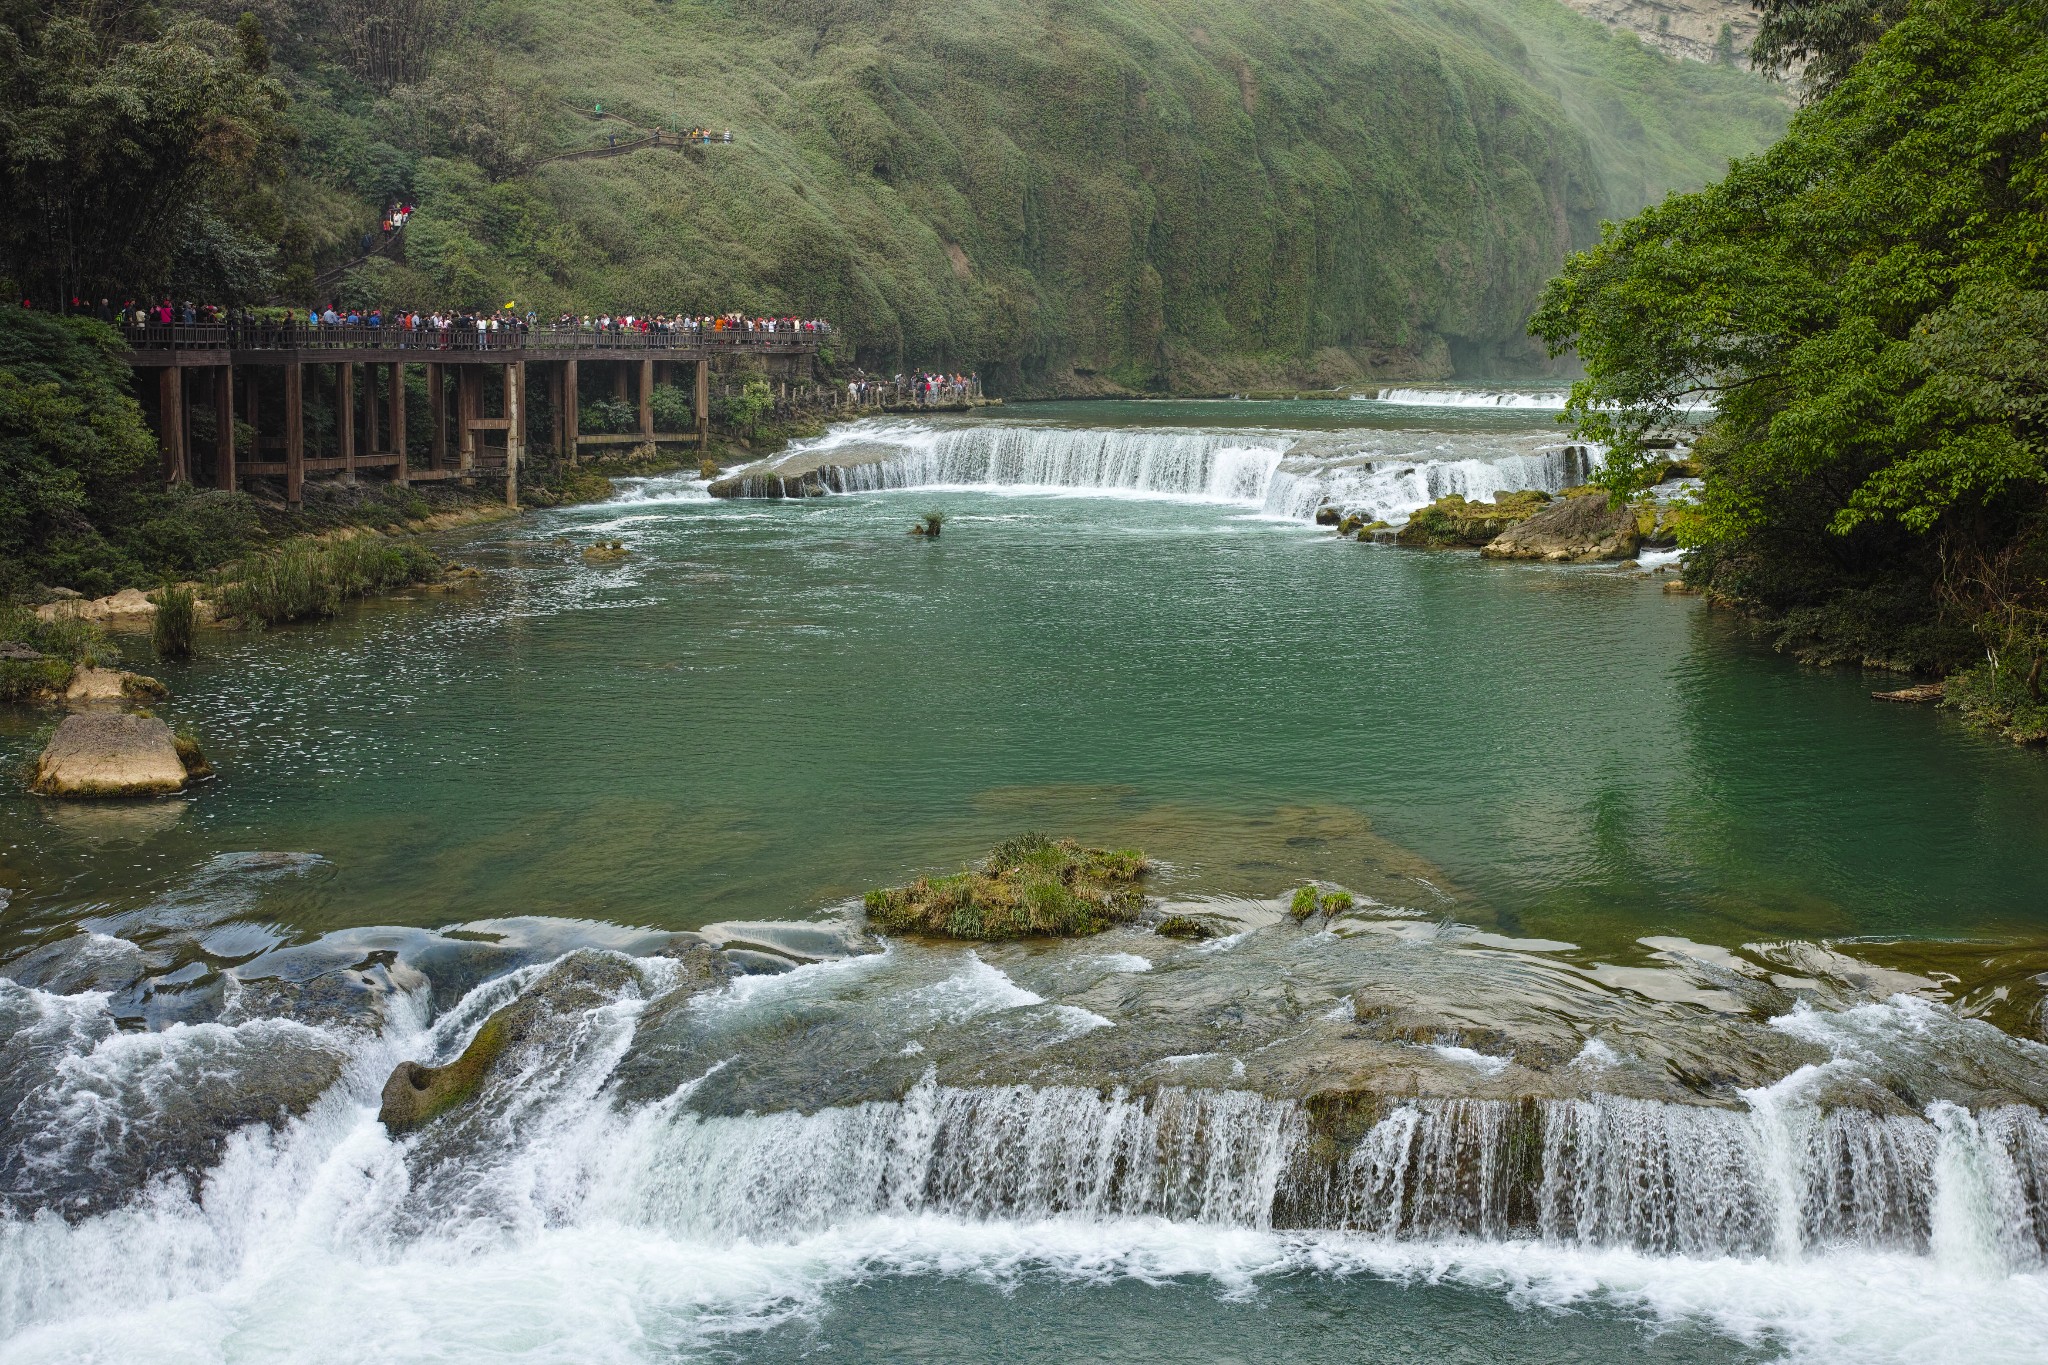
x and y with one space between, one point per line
1651 1177
552 1192
1278 473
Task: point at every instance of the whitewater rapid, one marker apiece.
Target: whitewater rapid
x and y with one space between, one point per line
572 1214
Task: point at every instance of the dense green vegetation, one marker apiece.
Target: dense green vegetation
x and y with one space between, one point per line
1867 302
80 503
1030 887
304 580
1066 194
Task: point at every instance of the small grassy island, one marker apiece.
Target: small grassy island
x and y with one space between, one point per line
1033 887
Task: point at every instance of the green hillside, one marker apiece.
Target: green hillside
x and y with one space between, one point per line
1062 193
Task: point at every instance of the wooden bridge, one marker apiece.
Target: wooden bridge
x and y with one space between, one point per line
477 393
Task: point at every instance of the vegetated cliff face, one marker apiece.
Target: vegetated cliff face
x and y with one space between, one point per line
1687 29
1084 195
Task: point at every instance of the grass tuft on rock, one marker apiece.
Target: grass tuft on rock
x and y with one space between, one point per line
1033 887
174 630
1309 901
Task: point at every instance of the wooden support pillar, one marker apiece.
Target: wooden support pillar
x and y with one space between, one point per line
647 398
171 423
468 407
345 415
620 384
224 427
294 433
555 412
255 387
437 409
515 431
703 406
572 411
370 446
401 474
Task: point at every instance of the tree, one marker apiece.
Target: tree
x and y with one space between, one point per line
1866 304
133 154
1825 38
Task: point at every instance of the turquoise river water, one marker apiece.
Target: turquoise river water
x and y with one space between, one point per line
1590 825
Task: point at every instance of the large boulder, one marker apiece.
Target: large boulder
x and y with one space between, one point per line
1578 530
111 753
1453 523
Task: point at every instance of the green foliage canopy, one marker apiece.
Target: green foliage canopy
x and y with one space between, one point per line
135 153
1865 305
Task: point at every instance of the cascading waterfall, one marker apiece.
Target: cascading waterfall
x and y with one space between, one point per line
1606 1172
1279 473
1215 466
552 1162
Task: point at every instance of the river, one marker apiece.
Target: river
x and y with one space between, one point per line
1690 1010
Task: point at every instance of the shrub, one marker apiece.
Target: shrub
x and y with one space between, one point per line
671 408
1306 902
1028 887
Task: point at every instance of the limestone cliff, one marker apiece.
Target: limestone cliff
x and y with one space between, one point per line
1689 29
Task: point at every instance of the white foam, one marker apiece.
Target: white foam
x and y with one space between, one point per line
975 989
1478 1061
1596 1056
1546 400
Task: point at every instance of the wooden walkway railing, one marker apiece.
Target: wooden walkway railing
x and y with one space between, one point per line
268 336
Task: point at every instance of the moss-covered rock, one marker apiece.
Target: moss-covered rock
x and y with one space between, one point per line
416 1095
1028 888
1185 927
1453 523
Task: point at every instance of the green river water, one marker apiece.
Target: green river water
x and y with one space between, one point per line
768 707
771 706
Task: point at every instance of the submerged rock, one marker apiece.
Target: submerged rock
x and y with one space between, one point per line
1452 522
1576 530
110 753
108 686
1184 927
542 1018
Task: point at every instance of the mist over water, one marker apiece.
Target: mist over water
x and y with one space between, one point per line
1689 1010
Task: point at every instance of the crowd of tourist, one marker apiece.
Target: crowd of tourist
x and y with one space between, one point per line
486 328
661 322
924 388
